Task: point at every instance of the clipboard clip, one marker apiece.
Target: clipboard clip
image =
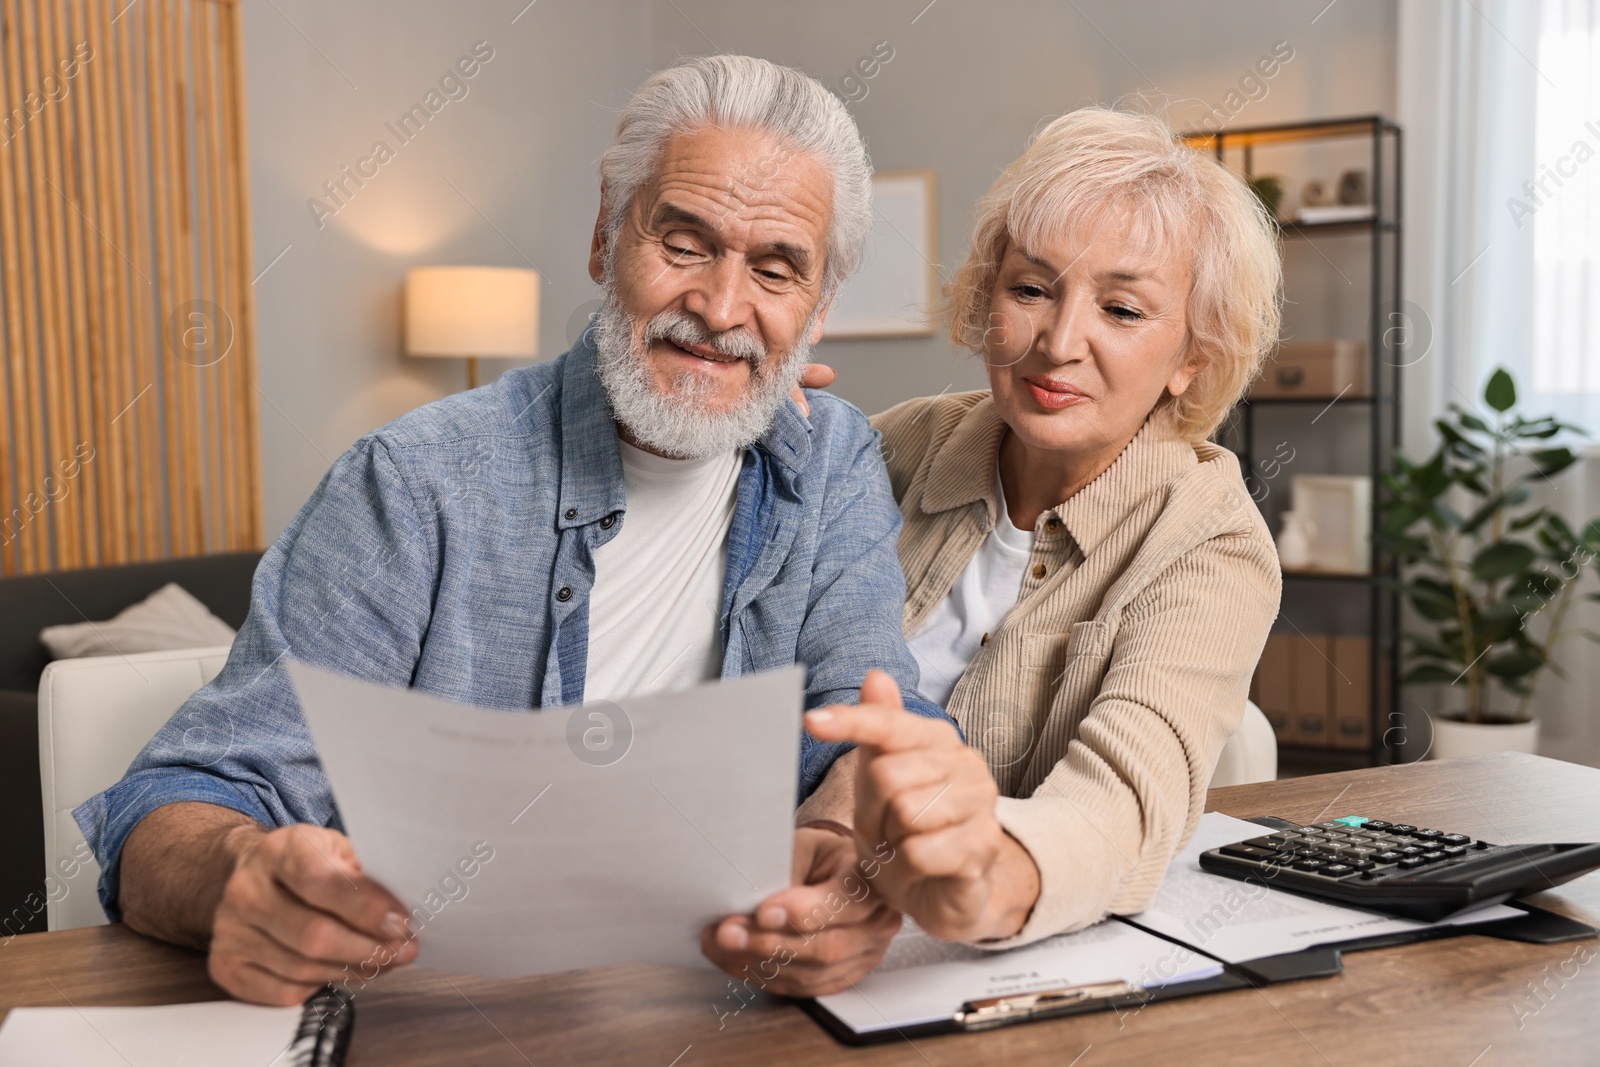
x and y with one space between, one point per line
999 1011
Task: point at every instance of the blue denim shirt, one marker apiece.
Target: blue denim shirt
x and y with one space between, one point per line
452 551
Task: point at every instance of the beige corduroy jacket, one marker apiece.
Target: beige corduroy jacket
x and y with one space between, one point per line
1103 699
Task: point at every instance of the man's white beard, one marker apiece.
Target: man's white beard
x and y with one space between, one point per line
678 423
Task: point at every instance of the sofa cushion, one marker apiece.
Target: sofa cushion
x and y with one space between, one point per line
29 603
170 618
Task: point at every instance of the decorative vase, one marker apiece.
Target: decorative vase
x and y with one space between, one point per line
1294 541
1454 737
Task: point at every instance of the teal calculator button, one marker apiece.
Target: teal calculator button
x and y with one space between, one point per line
1354 820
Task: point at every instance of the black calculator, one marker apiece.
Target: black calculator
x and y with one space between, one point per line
1395 867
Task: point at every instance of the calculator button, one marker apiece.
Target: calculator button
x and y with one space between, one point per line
1411 850
1263 842
1352 820
1310 865
1481 844
1391 856
1376 824
1360 851
1411 863
1308 831
1337 870
1334 835
1357 840
1247 852
1434 856
1402 828
1454 850
1456 839
1428 834
1363 865
1333 825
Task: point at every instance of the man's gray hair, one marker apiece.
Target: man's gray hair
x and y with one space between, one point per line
734 91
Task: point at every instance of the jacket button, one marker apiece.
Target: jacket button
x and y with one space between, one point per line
1038 570
572 513
608 522
1052 524
564 593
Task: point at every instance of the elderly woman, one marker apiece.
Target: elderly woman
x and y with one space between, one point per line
1089 585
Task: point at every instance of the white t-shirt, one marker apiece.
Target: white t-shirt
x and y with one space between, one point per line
986 590
655 614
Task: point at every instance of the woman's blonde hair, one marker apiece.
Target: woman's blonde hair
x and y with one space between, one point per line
1098 163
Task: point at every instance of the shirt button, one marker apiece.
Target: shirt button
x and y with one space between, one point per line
1038 570
572 513
1052 524
564 593
608 522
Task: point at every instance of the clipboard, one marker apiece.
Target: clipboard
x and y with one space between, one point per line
1535 926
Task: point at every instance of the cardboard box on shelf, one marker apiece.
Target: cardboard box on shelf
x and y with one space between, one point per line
1315 369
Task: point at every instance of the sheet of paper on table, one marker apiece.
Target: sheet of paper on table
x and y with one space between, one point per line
536 841
924 980
221 1033
1238 921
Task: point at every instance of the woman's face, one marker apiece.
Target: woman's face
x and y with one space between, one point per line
1084 336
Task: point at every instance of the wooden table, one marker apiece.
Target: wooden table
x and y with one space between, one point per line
1462 1002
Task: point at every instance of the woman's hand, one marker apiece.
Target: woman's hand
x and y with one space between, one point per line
924 794
815 376
821 935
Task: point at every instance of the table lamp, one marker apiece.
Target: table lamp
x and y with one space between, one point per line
470 312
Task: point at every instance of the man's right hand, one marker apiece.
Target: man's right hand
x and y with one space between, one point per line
297 912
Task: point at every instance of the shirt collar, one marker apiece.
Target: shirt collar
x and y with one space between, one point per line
591 463
962 473
1151 460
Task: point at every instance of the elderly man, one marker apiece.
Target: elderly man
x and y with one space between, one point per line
648 511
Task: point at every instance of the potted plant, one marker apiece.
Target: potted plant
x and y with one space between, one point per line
1492 574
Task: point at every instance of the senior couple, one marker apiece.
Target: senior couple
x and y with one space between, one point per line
1061 565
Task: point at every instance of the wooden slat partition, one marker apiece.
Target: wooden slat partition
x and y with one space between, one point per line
127 329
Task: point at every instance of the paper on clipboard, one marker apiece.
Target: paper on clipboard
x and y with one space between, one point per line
924 980
564 838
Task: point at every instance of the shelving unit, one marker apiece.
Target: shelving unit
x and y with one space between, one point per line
1383 328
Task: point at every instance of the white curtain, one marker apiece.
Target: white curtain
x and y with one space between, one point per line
1561 201
1502 234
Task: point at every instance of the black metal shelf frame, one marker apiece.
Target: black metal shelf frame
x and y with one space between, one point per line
1382 407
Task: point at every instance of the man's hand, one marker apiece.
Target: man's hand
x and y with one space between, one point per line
815 376
819 936
280 912
298 912
931 799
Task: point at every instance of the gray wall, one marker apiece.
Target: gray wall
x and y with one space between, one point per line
968 83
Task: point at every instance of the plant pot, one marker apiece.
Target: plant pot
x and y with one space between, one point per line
1454 737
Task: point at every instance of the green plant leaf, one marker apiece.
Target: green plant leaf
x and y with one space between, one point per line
1429 674
1429 645
1553 460
1528 520
1430 602
1513 664
1501 559
1500 392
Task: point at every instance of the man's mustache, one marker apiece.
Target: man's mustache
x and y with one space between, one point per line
685 330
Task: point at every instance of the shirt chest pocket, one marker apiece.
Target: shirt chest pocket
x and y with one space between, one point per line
771 624
1081 652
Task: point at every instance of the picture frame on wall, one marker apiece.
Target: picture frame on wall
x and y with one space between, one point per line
894 292
1339 508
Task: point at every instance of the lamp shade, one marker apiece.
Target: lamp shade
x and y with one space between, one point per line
472 311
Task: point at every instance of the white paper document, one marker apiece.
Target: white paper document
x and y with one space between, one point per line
222 1033
550 840
924 980
1239 921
